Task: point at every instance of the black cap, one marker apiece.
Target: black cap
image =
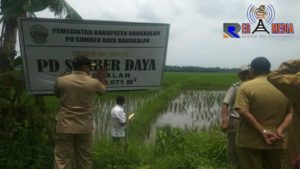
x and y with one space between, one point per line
261 65
81 60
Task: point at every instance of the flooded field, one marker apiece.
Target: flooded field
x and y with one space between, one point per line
197 110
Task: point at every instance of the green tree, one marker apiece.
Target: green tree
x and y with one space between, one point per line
11 10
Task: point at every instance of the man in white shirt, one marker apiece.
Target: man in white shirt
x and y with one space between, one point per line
118 120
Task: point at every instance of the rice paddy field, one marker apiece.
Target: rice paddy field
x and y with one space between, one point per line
174 127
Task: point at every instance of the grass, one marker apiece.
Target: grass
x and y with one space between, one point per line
200 80
173 149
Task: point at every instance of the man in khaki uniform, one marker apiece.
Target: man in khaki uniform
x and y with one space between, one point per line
231 117
77 93
287 80
265 115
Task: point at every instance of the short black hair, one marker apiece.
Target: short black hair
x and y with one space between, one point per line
260 65
120 100
79 61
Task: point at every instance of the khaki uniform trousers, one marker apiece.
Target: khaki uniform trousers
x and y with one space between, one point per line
73 151
233 124
260 159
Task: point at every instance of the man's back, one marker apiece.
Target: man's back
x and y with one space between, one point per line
118 120
269 107
76 92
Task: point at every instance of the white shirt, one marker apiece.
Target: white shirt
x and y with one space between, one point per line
118 119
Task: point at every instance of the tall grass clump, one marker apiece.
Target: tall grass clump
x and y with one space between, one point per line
26 127
173 149
176 148
113 155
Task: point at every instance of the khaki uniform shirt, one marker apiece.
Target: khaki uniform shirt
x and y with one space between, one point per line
230 99
77 94
287 80
268 106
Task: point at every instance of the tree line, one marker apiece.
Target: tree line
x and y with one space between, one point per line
169 68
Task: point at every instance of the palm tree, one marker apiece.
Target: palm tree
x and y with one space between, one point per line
11 10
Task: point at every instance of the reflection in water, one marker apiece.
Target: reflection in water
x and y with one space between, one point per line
102 123
197 110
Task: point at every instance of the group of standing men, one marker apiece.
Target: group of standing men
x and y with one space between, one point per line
261 115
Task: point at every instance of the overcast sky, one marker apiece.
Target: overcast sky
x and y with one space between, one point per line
196 28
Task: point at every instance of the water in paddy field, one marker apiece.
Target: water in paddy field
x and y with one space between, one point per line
102 118
196 110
